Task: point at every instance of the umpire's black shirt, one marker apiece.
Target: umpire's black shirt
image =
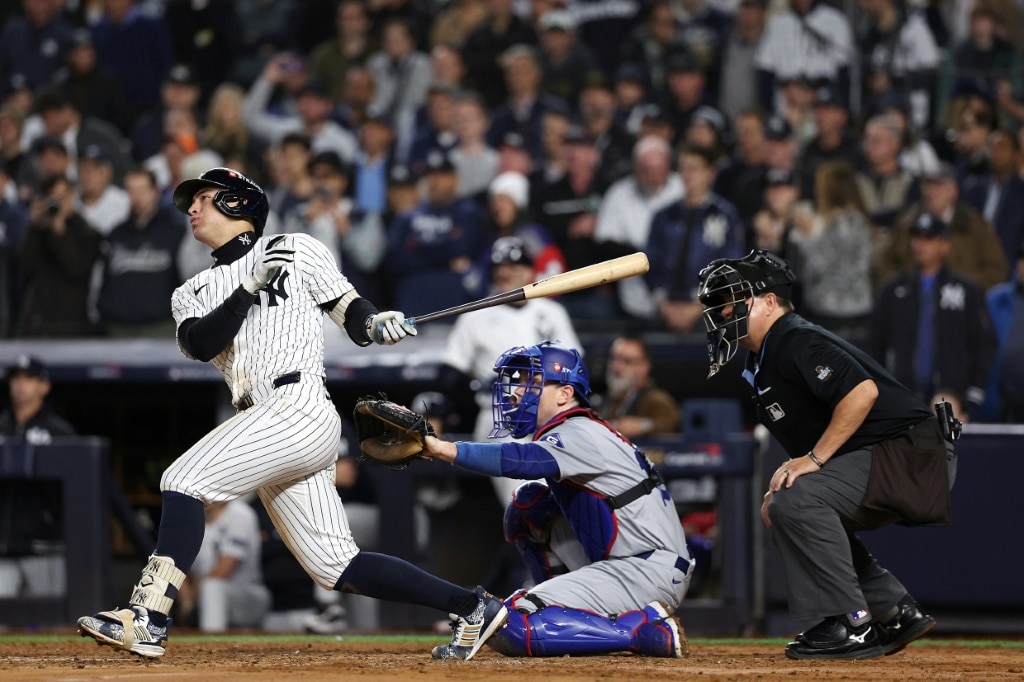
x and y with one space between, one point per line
802 372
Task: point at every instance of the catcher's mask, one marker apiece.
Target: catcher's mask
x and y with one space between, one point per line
522 373
239 196
726 286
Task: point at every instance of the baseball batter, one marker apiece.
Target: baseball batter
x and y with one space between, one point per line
257 314
600 535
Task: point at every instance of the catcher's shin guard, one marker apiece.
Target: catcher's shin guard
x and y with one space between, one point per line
527 524
560 631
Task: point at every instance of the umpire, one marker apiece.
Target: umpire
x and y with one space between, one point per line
864 452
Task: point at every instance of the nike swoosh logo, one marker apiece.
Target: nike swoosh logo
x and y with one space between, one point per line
199 289
676 582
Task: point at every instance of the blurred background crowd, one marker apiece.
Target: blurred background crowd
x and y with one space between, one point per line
873 143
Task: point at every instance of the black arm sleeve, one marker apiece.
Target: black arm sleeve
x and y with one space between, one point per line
355 318
205 337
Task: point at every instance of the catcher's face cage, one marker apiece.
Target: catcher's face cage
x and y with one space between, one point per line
522 373
726 286
238 196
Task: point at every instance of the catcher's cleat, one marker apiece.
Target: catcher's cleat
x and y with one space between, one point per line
470 632
835 638
128 629
661 635
908 624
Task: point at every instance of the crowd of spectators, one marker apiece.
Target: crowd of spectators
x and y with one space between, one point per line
823 130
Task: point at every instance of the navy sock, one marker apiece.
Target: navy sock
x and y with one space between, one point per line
182 525
386 577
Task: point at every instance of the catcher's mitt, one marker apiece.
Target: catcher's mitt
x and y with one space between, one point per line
389 433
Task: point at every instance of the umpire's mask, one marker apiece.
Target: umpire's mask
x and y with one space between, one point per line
726 286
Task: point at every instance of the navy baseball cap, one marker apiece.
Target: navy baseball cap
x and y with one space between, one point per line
778 129
94 152
438 162
928 225
401 175
27 365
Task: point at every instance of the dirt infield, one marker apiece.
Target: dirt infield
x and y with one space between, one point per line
73 658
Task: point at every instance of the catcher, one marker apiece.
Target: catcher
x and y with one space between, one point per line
601 538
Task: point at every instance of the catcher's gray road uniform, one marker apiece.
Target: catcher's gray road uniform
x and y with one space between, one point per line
283 442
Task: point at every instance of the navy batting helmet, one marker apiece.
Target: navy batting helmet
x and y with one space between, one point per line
528 368
239 196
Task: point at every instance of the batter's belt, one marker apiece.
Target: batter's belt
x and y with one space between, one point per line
259 393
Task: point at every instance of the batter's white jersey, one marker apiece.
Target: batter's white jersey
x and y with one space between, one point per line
284 441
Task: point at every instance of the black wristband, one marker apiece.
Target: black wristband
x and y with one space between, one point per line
814 458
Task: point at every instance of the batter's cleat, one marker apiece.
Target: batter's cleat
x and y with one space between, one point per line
835 638
128 629
470 632
908 624
661 635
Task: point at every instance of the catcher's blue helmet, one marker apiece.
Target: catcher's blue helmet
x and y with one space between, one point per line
529 368
239 196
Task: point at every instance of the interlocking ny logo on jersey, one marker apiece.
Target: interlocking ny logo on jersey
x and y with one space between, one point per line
275 289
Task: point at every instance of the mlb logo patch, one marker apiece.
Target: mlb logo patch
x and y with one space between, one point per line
554 439
857 616
823 372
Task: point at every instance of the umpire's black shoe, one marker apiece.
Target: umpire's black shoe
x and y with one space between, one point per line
908 624
835 638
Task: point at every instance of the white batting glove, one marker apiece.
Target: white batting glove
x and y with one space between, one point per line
274 258
389 327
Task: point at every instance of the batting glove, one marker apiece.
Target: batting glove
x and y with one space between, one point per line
274 258
389 327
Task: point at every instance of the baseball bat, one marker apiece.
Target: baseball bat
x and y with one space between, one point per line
581 278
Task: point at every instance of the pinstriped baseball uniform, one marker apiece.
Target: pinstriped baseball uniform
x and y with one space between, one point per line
285 444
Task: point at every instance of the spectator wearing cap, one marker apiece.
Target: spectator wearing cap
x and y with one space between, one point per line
687 235
13 228
431 249
484 47
401 75
514 156
772 225
975 250
781 147
180 92
565 62
523 110
351 45
476 161
885 187
508 203
931 326
686 90
898 52
63 121
31 516
203 37
624 218
630 89
1004 398
403 193
140 264
33 45
708 129
49 158
311 108
830 249
136 48
92 89
103 204
651 43
809 39
56 262
999 194
738 68
437 130
376 139
832 141
703 31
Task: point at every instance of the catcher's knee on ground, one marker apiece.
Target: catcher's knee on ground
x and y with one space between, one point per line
528 521
536 629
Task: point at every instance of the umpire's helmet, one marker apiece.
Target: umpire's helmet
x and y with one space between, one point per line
239 196
725 286
530 367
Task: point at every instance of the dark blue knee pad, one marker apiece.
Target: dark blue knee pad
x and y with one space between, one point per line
560 631
527 524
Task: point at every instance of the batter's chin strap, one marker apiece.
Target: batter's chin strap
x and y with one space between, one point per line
642 488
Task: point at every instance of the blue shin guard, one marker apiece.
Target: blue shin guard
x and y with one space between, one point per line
560 631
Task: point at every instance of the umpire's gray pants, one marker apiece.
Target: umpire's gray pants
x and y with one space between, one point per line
829 571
